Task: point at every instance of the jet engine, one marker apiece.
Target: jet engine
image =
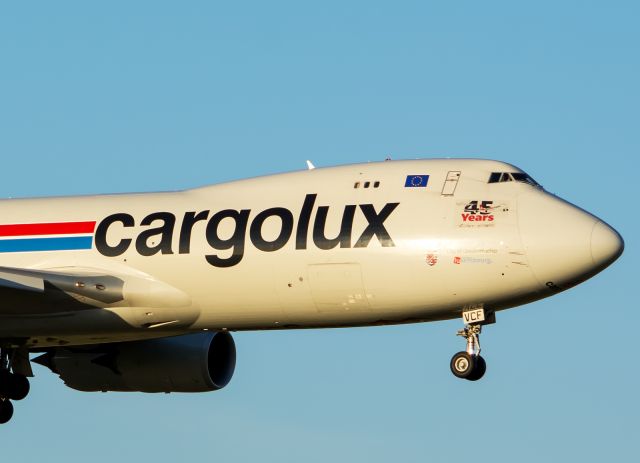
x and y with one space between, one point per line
190 363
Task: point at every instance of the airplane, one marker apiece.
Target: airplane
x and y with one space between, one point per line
141 292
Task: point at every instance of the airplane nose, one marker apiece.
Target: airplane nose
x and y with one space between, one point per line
606 244
564 244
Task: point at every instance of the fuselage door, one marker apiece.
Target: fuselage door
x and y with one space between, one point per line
338 287
450 184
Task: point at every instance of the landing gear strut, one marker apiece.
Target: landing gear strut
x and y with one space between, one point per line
469 364
13 385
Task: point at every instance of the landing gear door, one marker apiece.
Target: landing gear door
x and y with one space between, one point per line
451 182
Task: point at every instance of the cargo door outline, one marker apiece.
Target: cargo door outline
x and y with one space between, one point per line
338 288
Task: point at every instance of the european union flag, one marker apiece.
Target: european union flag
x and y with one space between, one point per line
416 181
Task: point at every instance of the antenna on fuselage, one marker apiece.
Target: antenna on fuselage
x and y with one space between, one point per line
310 165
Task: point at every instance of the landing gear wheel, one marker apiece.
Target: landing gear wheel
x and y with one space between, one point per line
479 369
18 387
463 365
13 386
6 411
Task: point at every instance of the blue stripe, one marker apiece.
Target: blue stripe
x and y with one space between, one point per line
64 243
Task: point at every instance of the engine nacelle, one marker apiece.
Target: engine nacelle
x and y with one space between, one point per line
190 363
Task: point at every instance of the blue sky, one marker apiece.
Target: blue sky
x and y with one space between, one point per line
137 96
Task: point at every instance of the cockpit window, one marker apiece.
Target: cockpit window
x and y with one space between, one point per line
494 177
522 177
499 177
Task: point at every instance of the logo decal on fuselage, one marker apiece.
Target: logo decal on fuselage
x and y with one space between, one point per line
478 211
50 236
161 237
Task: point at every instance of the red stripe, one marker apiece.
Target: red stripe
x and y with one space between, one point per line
62 228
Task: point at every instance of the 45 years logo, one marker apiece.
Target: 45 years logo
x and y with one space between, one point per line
478 211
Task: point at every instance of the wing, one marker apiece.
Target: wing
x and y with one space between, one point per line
37 292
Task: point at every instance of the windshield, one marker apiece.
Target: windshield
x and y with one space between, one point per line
500 177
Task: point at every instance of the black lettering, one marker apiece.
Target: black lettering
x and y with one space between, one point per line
190 219
376 225
101 235
165 231
472 207
344 236
285 232
485 207
303 222
235 242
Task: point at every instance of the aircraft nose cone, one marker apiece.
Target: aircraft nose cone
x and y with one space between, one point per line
564 244
606 244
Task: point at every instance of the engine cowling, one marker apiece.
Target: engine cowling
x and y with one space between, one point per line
190 363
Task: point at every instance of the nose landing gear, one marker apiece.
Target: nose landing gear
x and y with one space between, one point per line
469 364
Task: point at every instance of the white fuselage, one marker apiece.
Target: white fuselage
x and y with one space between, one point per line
313 248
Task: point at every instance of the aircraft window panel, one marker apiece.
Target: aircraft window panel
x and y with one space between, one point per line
522 177
367 184
356 185
376 184
494 177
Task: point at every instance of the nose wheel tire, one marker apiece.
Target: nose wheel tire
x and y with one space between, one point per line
468 366
478 370
462 364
